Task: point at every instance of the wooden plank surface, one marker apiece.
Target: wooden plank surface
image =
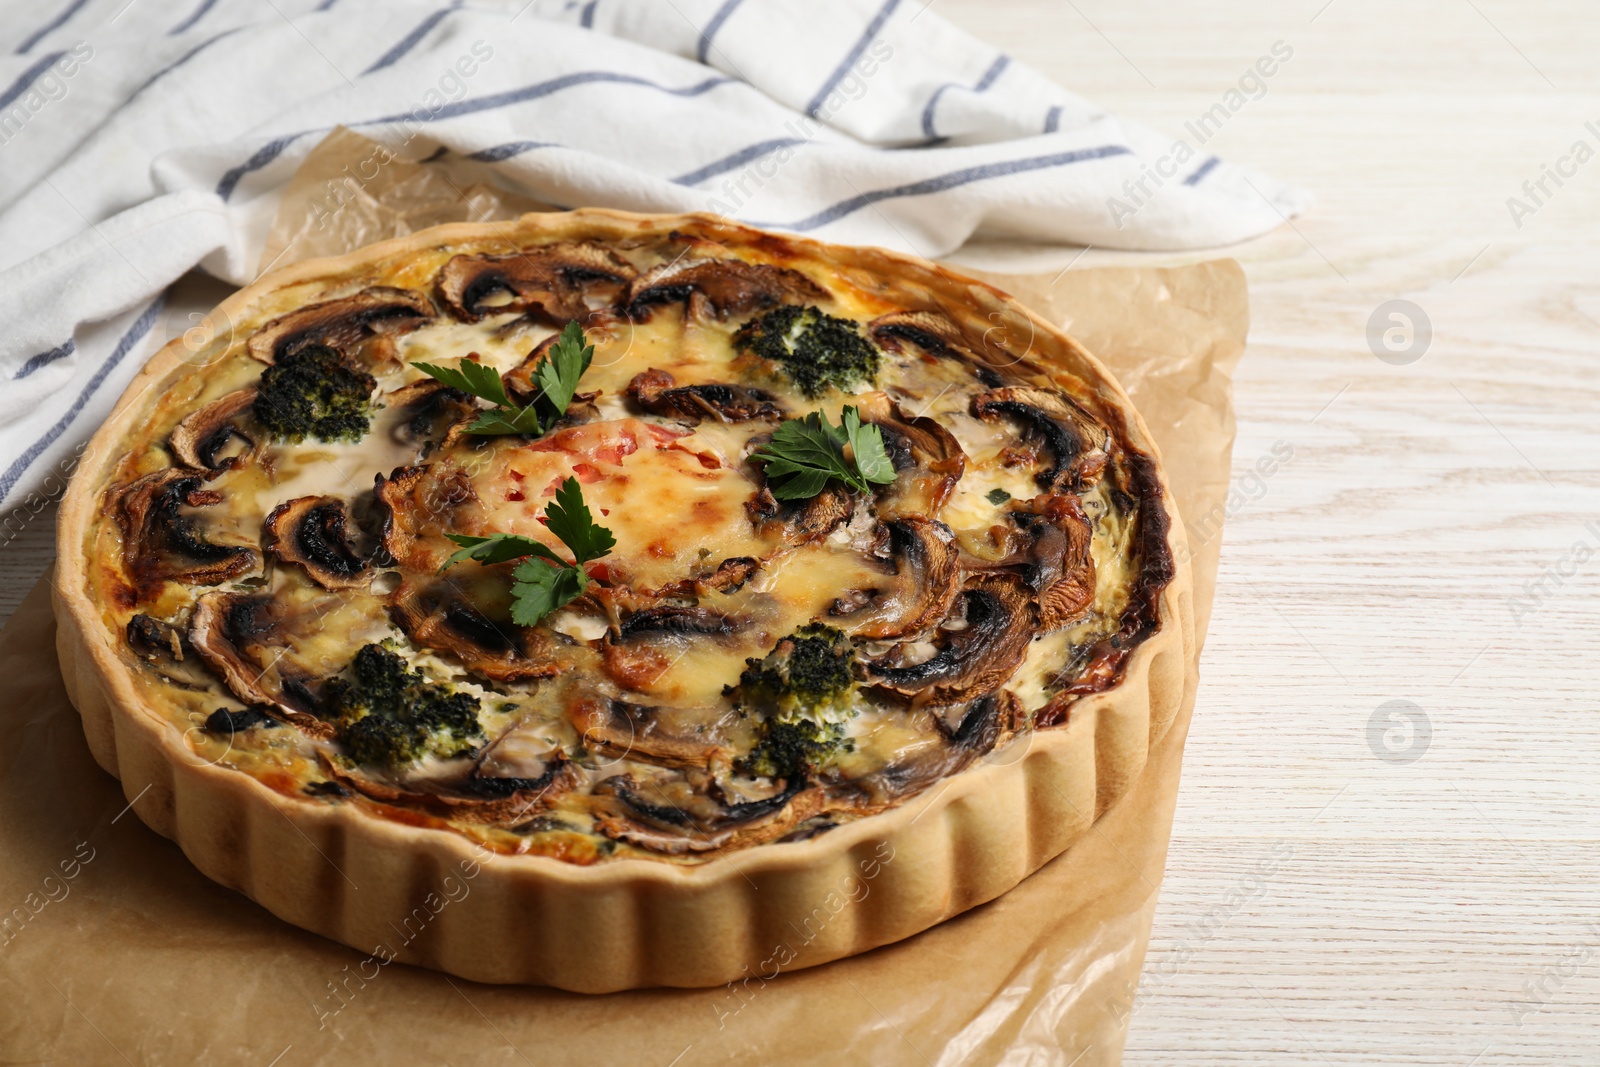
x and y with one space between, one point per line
1323 904
1328 900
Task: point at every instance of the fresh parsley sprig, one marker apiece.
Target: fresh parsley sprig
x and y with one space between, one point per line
805 454
557 375
543 581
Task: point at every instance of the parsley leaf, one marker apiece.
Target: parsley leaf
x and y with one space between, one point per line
804 454
496 548
539 587
507 420
563 365
568 518
557 376
543 581
866 447
473 377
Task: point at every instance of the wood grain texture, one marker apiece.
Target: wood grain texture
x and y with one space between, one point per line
1323 905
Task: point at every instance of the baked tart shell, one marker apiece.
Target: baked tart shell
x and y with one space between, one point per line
430 897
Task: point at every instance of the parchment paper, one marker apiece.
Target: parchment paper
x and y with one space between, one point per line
113 949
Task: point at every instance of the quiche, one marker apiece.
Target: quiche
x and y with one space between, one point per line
605 600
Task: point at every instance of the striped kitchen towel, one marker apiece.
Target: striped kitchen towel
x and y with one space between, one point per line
142 138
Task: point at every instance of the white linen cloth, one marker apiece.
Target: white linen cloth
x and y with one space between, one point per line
141 138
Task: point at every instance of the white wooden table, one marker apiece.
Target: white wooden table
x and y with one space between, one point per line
1339 892
1323 904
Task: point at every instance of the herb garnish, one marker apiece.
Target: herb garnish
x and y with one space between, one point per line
805 453
557 375
543 581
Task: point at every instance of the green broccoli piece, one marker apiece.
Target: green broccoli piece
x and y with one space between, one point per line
803 691
315 392
388 715
816 350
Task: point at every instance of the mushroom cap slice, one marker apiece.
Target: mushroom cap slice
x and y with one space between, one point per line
1050 542
427 411
240 636
200 437
1000 618
927 576
414 508
719 288
557 283
801 522
437 615
658 392
928 460
160 544
343 324
668 815
313 532
968 731
473 797
1079 446
623 730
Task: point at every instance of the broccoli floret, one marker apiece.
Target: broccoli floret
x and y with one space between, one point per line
803 693
388 715
816 350
315 392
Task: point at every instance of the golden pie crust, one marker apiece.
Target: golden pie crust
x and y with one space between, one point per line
403 883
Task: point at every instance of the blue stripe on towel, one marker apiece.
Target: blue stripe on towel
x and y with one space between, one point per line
198 14
704 47
990 76
735 160
27 78
965 176
1201 171
867 37
50 27
135 334
43 359
409 41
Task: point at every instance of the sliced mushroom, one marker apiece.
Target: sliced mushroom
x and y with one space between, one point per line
1078 445
313 532
166 649
1050 540
934 333
624 730
556 284
199 439
997 618
930 331
718 288
161 544
436 615
466 795
978 727
927 458
803 521
671 619
413 508
730 576
241 637
669 815
425 412
343 324
657 392
926 578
